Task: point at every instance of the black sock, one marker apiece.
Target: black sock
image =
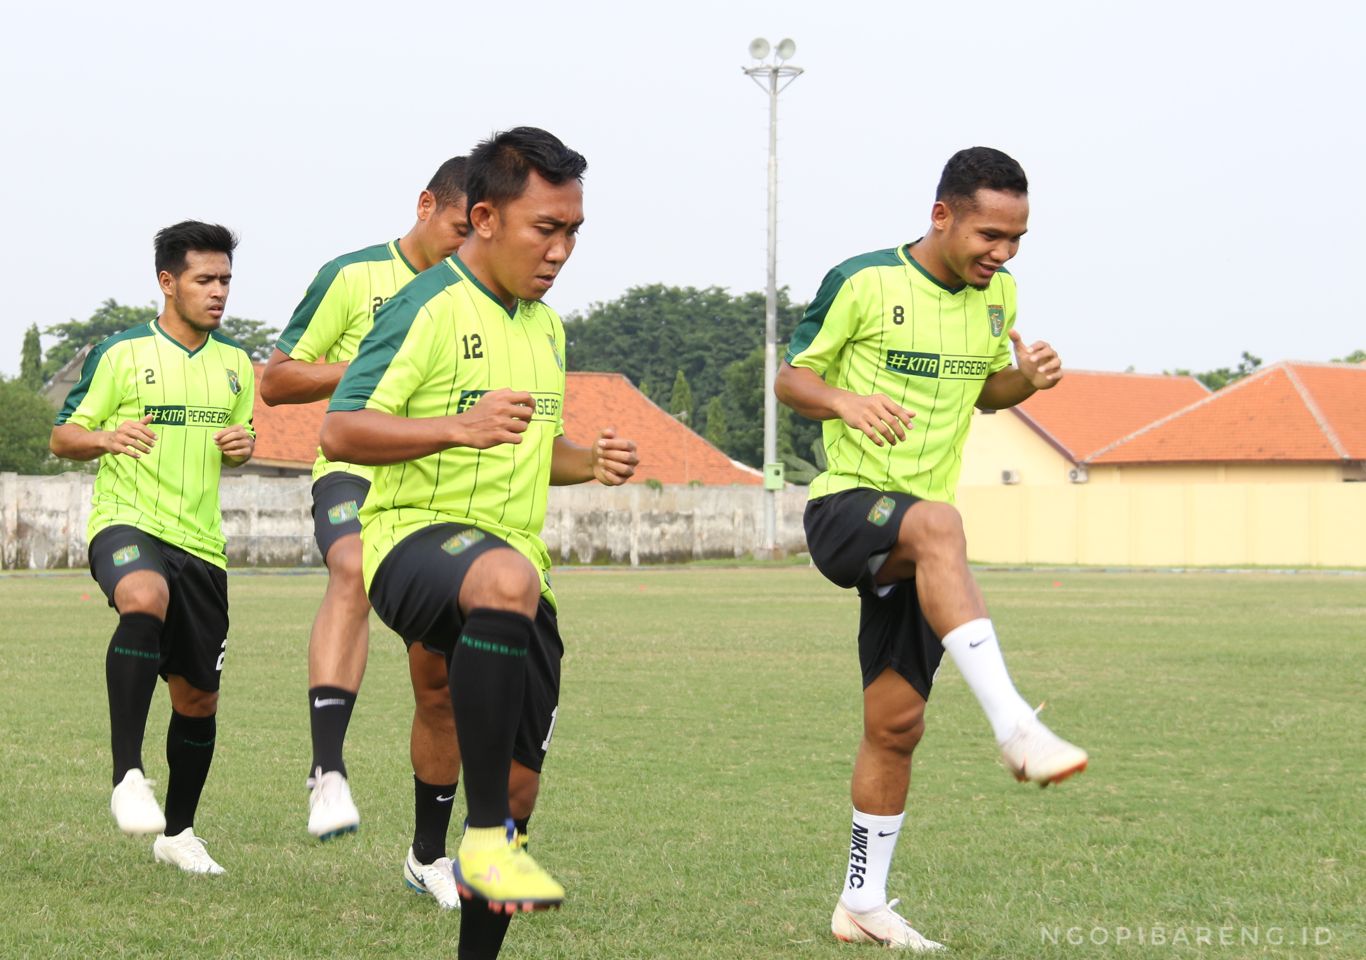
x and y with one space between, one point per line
189 751
481 930
130 676
329 714
432 805
487 678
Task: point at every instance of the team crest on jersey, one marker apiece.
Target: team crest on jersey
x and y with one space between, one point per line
881 511
126 555
555 351
234 384
997 315
462 541
342 512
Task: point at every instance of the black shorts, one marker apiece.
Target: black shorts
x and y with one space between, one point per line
848 534
195 639
415 591
337 498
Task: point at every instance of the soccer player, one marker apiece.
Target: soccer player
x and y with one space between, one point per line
165 406
892 354
336 312
456 396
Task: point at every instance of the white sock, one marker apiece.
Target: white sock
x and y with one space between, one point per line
977 656
872 841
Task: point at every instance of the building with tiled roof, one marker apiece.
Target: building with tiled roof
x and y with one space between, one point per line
1289 422
670 453
1047 439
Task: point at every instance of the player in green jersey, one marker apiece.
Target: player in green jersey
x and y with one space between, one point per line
165 406
893 353
312 353
456 395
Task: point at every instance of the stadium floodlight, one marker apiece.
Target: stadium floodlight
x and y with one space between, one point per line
773 78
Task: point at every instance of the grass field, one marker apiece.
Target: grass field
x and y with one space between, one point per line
695 803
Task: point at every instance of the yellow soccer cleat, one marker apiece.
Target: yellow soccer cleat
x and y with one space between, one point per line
494 867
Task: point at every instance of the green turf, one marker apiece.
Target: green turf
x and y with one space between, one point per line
695 803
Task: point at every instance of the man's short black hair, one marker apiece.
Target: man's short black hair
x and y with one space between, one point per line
979 168
448 183
500 166
173 242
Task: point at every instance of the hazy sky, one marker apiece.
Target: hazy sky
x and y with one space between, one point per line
1197 170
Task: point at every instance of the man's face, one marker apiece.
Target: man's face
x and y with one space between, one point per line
979 237
531 237
200 293
444 228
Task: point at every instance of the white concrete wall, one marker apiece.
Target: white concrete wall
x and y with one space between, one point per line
266 519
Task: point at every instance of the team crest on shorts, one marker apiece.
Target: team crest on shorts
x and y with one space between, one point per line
342 512
462 541
882 511
234 384
997 315
126 555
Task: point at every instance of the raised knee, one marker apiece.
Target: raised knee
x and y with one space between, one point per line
934 524
501 580
149 598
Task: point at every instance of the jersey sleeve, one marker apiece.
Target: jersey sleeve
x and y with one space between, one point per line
1002 358
96 396
829 322
243 406
393 360
319 320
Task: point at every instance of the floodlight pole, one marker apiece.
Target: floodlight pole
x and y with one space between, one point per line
772 74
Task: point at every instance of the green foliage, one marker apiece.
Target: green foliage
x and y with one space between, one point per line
25 425
1222 377
31 359
1356 356
254 336
680 400
718 435
109 318
655 334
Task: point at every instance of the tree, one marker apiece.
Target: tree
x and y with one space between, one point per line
1356 356
717 434
25 425
680 400
1222 377
31 360
108 319
254 336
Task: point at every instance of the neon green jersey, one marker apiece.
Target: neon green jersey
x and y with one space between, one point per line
337 312
172 492
881 324
436 348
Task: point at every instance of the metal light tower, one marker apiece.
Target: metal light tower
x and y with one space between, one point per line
773 77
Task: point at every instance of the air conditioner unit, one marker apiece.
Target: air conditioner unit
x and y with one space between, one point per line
1078 474
1010 476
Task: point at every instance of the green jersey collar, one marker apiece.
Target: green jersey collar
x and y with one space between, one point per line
468 274
156 324
904 252
398 252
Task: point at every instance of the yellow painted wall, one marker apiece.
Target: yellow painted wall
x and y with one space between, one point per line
1190 524
1002 441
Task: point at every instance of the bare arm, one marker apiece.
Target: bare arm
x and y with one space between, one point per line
376 438
286 380
879 417
1037 367
71 441
610 460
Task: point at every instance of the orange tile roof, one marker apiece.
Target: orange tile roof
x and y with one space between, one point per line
1088 410
1290 411
669 451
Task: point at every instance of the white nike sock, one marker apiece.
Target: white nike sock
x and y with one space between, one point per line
872 841
977 656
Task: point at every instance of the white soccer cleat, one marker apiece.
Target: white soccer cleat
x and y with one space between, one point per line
881 925
1033 752
185 851
331 811
436 879
134 806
